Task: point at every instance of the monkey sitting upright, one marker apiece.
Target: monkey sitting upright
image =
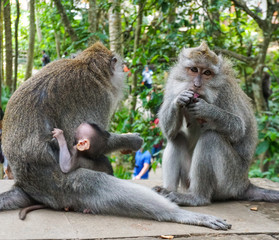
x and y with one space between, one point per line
211 131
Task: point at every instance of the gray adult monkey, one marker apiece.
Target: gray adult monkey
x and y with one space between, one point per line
63 95
211 131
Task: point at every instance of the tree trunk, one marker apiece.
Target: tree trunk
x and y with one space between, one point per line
32 32
65 20
57 43
115 26
1 50
16 45
38 28
8 42
258 76
136 44
268 28
92 20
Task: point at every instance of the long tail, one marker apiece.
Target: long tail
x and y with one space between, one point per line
14 199
23 212
254 193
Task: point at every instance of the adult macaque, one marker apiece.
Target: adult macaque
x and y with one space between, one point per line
211 131
64 94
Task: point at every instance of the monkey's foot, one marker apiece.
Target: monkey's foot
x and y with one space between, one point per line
162 191
87 211
172 196
209 221
182 199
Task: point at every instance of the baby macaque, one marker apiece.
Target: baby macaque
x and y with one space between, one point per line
91 143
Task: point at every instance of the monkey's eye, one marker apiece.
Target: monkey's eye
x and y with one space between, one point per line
194 69
114 59
207 73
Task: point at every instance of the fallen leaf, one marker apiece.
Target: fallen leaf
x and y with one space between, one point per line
254 208
167 236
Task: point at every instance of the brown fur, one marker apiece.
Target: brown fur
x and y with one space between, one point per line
203 51
63 94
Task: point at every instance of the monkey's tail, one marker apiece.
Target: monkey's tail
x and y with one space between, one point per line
258 194
23 212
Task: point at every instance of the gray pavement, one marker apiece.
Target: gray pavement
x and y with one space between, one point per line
262 224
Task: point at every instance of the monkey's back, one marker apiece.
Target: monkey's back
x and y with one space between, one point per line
63 94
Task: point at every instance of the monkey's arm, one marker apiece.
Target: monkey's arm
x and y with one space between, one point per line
67 162
127 141
218 119
172 112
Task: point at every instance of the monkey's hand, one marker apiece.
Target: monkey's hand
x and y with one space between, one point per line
58 134
135 141
123 142
184 98
200 109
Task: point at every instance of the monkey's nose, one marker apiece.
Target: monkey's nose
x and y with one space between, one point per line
197 86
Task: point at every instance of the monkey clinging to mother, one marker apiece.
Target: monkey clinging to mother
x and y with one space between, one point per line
64 94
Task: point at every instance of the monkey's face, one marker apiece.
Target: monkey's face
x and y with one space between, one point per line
197 70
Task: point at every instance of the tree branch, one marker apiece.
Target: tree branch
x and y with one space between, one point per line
241 4
248 60
274 75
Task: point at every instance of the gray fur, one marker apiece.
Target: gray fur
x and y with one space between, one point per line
211 141
64 94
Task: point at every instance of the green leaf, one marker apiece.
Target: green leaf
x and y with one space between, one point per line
154 58
262 147
167 58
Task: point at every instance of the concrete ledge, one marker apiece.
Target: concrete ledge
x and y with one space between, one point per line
49 224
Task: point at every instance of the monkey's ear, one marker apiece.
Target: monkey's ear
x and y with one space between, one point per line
204 47
83 145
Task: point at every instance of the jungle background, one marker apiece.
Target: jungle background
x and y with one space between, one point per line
149 32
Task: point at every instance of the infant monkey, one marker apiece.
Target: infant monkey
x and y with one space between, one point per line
91 143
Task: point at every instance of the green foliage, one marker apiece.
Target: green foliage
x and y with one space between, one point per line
268 124
5 96
167 27
121 172
143 123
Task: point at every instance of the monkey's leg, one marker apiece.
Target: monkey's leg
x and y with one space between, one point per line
202 172
129 141
254 193
104 194
176 163
14 199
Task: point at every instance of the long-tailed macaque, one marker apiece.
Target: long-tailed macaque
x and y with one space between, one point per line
64 94
211 131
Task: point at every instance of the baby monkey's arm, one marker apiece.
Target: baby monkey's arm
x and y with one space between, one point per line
66 162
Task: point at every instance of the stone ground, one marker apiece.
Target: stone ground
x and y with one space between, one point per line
262 224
